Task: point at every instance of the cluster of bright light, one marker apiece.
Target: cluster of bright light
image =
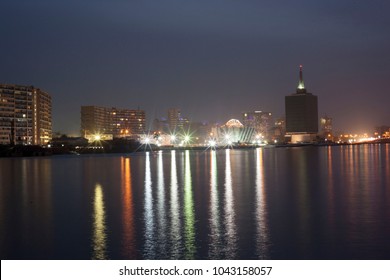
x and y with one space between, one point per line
212 143
97 137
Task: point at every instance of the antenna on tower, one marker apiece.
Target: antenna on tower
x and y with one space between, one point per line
301 84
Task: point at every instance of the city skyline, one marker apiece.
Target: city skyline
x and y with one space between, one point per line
213 60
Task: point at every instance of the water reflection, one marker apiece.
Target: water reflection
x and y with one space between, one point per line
215 227
150 250
175 208
129 250
298 203
99 225
230 225
189 215
262 235
303 203
161 213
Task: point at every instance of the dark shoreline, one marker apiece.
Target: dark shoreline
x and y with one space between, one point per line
35 151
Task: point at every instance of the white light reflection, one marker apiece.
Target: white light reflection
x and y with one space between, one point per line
231 234
161 215
189 216
176 239
262 238
99 225
215 227
150 250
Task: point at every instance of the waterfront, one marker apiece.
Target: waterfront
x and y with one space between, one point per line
284 203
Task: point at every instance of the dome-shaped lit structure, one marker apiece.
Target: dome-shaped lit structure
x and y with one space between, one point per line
234 131
234 123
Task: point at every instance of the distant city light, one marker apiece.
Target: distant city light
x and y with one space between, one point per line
212 143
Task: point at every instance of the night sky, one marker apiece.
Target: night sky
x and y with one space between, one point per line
212 58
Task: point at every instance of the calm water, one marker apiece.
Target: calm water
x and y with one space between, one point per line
275 203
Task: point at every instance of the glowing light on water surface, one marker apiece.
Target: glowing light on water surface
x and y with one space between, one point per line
161 215
176 239
261 208
150 249
230 224
189 216
99 225
215 227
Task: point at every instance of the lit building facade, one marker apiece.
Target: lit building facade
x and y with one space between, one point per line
111 123
233 132
301 114
382 132
278 131
260 121
174 116
127 122
95 120
326 127
25 115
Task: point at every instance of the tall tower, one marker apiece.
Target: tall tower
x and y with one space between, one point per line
301 113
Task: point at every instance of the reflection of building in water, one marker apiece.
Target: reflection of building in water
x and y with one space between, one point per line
215 227
161 211
230 224
176 239
99 225
262 235
129 242
189 215
150 244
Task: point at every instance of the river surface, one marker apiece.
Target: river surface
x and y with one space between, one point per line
266 203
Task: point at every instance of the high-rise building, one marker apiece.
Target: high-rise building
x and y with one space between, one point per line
260 121
278 131
174 117
111 122
25 115
326 127
127 122
301 113
96 120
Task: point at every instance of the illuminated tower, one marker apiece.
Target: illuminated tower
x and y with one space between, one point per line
301 114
